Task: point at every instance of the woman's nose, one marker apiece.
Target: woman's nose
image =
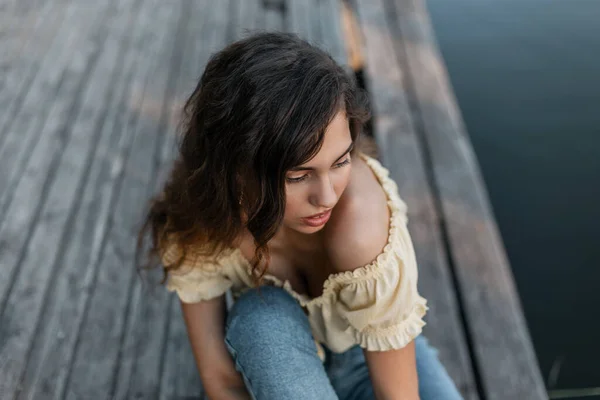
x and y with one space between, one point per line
324 195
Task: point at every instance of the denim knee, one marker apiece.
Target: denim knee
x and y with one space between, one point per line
422 347
268 316
270 340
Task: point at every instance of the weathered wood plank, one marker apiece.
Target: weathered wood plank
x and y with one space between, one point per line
245 18
141 371
18 73
15 31
99 351
401 153
65 81
26 297
51 94
18 31
331 36
16 222
273 17
180 375
320 23
496 325
53 349
16 23
302 19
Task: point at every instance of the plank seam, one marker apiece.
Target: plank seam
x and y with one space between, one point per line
7 196
176 58
88 299
26 82
26 42
419 127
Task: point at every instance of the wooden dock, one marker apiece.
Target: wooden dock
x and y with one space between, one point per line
89 98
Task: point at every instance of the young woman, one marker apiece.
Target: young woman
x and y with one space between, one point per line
272 198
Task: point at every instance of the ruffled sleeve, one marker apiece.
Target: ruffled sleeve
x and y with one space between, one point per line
379 303
198 278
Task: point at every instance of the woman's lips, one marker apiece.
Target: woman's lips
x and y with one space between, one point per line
318 220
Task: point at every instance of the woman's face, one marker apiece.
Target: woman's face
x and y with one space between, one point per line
314 188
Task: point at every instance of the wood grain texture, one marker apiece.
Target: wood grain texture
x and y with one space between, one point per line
51 94
502 347
100 353
302 19
142 366
22 32
320 23
330 35
245 18
22 38
401 153
67 157
273 19
29 84
19 30
56 341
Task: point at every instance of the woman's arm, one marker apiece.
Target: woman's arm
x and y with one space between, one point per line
394 373
205 322
355 237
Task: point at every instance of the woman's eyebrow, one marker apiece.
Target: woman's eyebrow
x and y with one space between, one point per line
348 150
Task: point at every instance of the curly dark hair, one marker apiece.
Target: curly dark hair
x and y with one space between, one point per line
260 108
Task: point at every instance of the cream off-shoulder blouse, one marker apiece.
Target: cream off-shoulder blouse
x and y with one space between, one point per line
376 306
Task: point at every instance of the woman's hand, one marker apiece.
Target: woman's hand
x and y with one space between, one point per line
238 393
205 322
223 382
220 391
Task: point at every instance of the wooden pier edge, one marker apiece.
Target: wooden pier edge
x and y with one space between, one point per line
503 356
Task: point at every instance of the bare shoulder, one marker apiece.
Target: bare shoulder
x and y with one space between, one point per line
358 229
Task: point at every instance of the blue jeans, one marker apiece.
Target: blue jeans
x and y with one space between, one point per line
269 338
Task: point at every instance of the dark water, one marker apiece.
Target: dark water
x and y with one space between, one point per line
527 77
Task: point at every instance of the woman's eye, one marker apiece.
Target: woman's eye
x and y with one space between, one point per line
303 177
341 164
299 179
